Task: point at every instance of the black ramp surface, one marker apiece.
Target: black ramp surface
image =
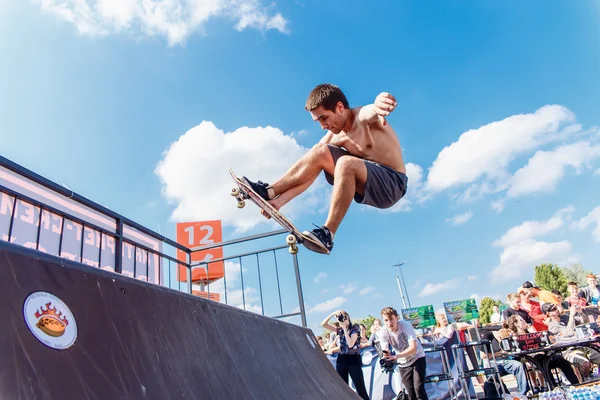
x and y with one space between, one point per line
140 341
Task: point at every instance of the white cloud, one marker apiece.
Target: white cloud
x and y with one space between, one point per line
460 218
498 206
328 305
597 172
593 217
472 278
546 168
521 250
319 277
528 230
520 258
349 288
414 194
432 288
194 173
174 19
366 290
487 151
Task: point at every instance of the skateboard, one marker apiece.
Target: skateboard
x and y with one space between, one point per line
243 192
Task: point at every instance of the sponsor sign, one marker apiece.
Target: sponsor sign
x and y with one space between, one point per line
50 320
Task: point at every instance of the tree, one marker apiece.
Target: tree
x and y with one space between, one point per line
576 273
485 310
549 277
367 322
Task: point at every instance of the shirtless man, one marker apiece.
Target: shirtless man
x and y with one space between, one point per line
360 155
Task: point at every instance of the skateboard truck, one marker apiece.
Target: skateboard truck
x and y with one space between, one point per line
291 240
235 192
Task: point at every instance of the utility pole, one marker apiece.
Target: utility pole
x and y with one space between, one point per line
405 291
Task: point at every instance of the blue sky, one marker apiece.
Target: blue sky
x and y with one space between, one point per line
143 110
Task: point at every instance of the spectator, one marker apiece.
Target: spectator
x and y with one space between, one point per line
591 293
505 366
322 344
496 317
364 340
373 339
532 308
563 325
409 354
574 298
348 361
514 308
442 330
518 326
544 296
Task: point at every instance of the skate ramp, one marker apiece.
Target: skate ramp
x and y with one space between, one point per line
126 339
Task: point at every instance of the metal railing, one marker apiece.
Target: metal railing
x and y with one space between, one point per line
48 217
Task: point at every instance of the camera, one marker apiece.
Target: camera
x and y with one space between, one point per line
341 318
387 366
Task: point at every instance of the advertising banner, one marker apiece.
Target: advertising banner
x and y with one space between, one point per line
461 310
419 317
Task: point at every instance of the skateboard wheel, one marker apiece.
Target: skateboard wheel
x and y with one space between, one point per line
293 249
291 239
235 191
241 204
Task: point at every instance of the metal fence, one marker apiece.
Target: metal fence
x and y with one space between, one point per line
38 213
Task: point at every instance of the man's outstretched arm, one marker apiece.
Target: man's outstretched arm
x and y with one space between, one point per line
384 104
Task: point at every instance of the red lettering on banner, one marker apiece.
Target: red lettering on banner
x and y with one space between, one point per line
110 243
6 204
56 227
89 237
27 215
129 248
141 256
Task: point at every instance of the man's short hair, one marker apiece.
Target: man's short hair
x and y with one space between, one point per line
511 297
548 307
572 284
556 292
389 312
590 276
529 285
326 95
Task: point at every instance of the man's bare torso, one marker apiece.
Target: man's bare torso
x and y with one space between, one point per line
373 142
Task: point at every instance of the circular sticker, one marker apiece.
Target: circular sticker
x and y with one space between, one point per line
50 320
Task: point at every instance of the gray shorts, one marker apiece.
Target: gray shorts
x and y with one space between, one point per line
384 187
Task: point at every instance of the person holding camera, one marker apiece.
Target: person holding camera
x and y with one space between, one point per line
348 360
409 353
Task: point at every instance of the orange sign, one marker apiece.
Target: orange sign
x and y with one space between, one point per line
198 234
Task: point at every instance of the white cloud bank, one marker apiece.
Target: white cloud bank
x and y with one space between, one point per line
195 177
174 19
328 305
592 218
481 161
521 249
460 218
433 288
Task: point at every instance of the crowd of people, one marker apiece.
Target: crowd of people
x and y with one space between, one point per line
529 309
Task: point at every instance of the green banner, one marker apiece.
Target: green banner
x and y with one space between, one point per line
419 317
461 310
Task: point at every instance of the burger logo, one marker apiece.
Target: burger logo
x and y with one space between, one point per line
50 320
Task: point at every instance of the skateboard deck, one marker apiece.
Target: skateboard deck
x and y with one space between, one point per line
244 192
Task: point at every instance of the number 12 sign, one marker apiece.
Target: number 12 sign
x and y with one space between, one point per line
198 234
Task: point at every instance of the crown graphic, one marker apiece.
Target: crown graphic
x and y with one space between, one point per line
51 311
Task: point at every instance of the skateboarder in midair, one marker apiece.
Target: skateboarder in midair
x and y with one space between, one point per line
360 155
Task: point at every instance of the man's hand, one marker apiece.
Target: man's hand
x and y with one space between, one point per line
385 103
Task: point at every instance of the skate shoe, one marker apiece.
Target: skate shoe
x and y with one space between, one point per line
261 188
320 235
